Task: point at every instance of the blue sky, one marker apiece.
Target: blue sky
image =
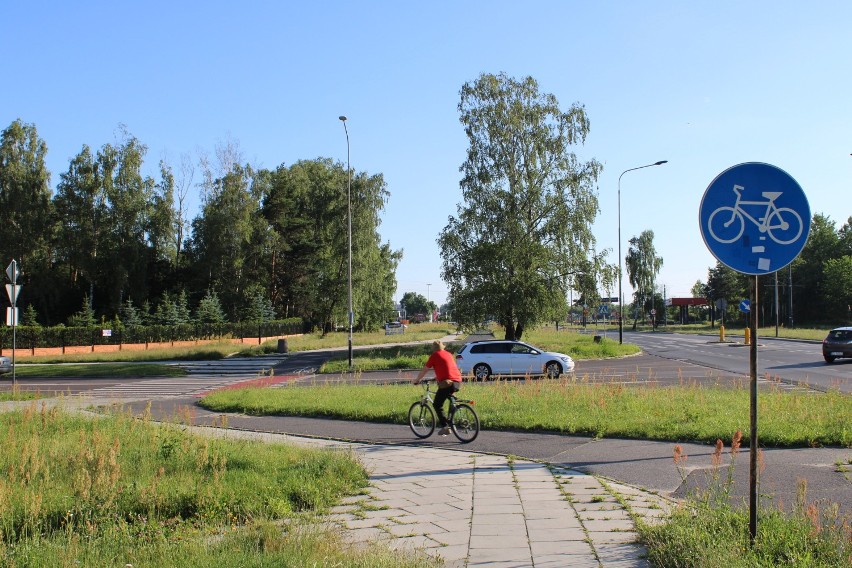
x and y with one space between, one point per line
704 85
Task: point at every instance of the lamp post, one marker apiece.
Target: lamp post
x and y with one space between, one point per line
349 209
429 302
620 295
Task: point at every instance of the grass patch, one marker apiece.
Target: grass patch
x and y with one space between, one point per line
383 358
16 393
116 491
579 346
738 328
414 332
99 370
707 531
681 413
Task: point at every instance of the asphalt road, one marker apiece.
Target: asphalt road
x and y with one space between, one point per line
785 360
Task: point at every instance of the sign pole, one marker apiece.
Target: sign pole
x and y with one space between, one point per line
752 489
14 335
12 273
755 219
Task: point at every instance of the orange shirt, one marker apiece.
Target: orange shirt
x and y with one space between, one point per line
445 366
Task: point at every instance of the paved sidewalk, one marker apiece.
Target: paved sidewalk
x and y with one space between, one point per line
474 509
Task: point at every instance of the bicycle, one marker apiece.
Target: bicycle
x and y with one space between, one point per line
461 417
780 220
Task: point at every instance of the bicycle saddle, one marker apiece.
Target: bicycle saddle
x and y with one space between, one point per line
771 195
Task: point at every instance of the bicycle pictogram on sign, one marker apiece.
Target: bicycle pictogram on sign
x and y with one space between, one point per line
783 225
754 218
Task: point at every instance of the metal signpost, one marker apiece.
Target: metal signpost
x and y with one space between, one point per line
13 290
755 219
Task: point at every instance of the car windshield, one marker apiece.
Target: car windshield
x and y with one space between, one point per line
840 335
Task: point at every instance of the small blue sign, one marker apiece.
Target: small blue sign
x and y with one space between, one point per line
745 306
754 218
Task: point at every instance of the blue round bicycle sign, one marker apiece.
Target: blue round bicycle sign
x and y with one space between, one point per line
754 218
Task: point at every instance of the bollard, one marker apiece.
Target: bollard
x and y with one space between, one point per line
721 334
282 346
747 336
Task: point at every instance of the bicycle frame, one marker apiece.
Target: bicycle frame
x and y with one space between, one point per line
763 223
427 397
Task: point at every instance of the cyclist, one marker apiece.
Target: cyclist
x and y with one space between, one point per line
448 377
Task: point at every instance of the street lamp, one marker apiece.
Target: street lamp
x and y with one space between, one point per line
428 302
349 209
620 295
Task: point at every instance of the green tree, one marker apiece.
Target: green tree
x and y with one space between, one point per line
25 196
210 310
306 205
259 308
222 236
162 227
699 289
131 197
643 266
106 211
81 206
27 231
414 303
845 236
30 317
823 245
166 311
529 205
724 283
837 288
182 311
129 314
85 317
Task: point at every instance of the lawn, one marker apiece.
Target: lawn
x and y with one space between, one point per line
98 370
569 406
120 491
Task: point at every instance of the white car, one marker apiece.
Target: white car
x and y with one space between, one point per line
484 359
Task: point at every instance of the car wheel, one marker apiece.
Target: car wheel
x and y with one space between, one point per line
552 370
482 372
828 358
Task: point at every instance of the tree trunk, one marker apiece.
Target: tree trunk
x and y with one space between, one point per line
509 326
519 331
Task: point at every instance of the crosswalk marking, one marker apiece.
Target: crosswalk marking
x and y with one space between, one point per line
202 377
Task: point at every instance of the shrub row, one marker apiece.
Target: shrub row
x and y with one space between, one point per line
30 337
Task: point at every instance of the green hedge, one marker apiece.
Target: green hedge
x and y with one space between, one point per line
28 337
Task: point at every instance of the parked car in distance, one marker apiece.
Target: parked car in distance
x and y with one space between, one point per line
837 344
484 359
5 365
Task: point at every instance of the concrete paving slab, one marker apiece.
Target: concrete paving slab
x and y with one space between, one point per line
485 510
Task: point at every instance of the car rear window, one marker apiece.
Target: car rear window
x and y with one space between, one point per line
840 335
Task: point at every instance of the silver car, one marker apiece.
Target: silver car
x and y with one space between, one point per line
5 365
484 359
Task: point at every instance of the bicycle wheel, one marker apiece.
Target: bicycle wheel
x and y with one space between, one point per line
726 224
465 423
421 419
784 226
